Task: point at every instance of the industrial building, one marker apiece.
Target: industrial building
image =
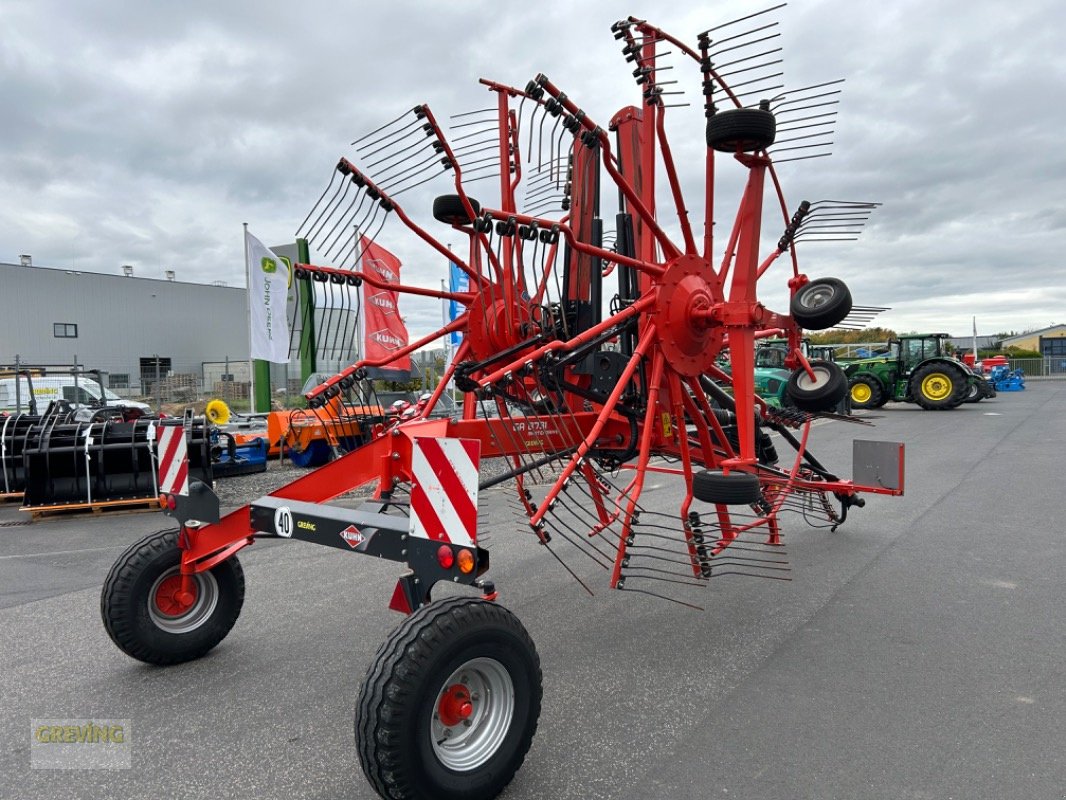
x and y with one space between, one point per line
133 327
1049 342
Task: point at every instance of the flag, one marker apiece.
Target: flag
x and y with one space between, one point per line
268 282
458 281
384 332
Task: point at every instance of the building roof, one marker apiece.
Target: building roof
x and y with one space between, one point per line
1031 334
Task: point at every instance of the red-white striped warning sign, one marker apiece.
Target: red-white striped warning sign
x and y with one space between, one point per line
444 491
173 460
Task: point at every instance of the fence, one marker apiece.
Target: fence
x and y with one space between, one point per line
1049 367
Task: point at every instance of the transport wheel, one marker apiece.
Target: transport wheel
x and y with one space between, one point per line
973 394
450 704
821 304
745 130
866 392
147 615
736 488
823 392
937 386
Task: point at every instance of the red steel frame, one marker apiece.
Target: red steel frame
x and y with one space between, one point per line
689 311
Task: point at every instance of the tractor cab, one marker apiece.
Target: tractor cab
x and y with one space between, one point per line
913 349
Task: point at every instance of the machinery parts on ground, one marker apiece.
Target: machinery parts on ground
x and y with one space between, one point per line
589 402
59 463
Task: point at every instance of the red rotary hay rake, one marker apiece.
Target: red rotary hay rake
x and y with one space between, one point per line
580 405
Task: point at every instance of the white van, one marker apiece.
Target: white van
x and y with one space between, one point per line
87 392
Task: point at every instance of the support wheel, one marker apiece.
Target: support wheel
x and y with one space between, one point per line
450 704
449 208
821 304
938 386
823 392
148 616
744 130
866 392
736 488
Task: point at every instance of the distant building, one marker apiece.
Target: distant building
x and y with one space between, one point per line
965 343
128 326
1049 342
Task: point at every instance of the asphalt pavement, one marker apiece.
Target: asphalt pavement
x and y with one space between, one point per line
917 652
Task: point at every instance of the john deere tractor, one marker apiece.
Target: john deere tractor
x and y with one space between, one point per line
916 369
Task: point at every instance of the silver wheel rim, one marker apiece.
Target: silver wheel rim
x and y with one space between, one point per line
193 617
817 297
473 741
821 378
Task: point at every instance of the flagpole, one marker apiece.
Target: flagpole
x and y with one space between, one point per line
248 311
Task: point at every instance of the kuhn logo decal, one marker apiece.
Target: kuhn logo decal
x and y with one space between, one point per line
352 536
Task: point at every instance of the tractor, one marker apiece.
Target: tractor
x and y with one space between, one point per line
917 369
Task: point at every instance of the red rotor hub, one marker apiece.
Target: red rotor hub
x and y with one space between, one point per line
688 292
494 326
171 599
455 705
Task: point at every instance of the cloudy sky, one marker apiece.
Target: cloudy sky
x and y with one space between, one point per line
145 133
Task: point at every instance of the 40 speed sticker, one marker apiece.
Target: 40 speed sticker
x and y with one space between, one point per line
283 522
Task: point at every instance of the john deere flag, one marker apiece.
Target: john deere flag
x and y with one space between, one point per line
268 281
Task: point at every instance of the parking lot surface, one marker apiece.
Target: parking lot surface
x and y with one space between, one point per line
917 652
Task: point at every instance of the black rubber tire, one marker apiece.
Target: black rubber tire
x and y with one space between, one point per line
974 394
951 399
741 130
876 399
821 304
829 388
449 209
734 489
126 594
394 714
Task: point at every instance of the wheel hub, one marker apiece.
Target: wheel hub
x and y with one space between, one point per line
860 393
455 705
472 714
936 386
171 600
173 609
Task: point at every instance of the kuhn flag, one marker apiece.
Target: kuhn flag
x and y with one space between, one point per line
384 333
268 283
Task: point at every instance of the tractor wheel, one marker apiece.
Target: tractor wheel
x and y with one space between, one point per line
450 704
973 394
823 392
821 304
449 208
743 130
937 386
866 392
145 613
734 489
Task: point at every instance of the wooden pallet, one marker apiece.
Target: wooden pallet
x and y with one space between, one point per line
11 497
104 506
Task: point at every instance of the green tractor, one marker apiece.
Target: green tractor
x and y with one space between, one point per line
917 369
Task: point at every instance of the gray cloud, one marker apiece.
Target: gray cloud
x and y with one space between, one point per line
147 133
